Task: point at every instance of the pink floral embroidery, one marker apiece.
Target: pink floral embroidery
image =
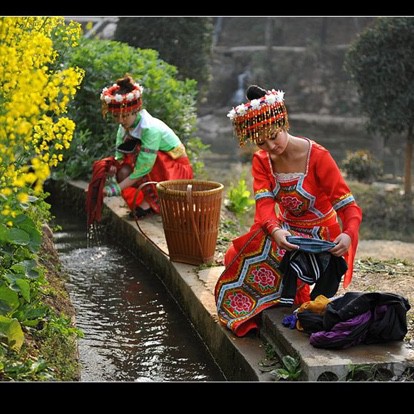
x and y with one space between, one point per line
291 203
240 302
264 277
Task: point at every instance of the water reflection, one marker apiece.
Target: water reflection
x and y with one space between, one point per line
134 330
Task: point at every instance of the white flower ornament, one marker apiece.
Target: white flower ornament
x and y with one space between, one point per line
109 95
255 103
241 109
270 99
231 114
280 96
103 92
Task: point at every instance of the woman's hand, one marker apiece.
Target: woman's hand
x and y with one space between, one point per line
112 170
112 190
279 236
343 241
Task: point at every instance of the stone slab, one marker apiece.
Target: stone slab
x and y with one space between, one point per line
388 360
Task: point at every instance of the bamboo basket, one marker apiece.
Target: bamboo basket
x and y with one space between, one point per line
190 211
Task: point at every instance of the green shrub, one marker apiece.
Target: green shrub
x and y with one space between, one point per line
164 97
362 166
195 147
239 200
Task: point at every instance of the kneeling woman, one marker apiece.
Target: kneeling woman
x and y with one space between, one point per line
146 149
299 191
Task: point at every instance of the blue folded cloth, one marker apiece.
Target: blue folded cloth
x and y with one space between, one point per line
290 321
310 245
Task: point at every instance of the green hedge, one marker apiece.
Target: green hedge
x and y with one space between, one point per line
164 96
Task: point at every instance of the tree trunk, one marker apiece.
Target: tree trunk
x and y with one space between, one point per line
408 162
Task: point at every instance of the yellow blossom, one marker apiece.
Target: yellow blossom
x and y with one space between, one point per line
6 191
35 91
23 197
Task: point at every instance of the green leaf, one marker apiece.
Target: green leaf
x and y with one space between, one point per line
280 373
38 366
290 363
18 236
35 242
11 278
27 225
4 233
24 288
9 300
27 268
31 322
27 312
13 331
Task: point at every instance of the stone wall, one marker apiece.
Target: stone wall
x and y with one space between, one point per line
302 55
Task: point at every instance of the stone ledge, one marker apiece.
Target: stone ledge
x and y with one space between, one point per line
318 364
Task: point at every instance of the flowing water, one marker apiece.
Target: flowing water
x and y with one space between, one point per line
133 328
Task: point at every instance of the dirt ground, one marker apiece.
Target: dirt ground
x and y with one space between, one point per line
385 250
386 266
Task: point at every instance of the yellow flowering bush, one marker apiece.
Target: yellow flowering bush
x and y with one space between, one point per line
36 88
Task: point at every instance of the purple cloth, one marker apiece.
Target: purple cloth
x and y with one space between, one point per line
343 334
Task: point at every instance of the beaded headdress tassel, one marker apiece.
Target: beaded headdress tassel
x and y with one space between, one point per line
256 120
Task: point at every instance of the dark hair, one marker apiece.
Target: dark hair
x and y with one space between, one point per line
255 92
126 84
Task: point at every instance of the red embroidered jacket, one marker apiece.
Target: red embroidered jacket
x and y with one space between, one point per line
310 202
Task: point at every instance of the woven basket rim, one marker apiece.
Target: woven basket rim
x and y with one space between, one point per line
165 187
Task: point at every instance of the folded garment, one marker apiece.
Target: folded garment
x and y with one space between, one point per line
128 146
311 245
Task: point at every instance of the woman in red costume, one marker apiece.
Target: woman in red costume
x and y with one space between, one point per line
299 190
146 149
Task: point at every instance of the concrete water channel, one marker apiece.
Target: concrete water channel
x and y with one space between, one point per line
193 288
133 329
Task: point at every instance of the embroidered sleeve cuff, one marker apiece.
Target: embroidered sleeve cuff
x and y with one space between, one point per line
271 226
112 190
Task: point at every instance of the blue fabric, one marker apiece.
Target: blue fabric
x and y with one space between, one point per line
310 245
290 321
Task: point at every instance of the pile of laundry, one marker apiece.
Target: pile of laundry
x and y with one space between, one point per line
351 319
